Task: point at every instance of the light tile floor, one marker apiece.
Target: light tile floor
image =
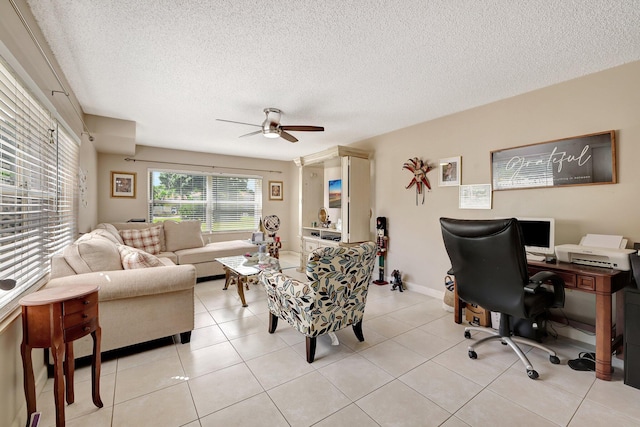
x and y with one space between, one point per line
412 370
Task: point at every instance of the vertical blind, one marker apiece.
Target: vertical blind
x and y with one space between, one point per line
38 163
220 202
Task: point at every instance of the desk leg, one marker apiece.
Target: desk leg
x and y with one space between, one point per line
95 367
68 371
603 336
457 304
619 341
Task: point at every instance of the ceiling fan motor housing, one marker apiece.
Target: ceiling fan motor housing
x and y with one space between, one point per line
271 124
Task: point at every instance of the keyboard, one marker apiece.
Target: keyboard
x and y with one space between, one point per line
534 257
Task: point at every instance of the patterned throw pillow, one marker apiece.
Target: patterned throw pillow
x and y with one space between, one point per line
147 239
137 258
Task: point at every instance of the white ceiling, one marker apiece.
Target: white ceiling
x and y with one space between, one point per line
358 68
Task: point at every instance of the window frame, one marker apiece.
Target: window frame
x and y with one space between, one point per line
39 204
208 202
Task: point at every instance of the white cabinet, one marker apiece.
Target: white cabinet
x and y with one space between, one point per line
314 238
351 209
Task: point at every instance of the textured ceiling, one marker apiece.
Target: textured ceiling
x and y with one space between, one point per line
358 68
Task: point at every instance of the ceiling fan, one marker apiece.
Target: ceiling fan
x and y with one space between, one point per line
271 127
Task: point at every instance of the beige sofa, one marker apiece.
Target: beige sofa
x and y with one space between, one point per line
182 243
142 297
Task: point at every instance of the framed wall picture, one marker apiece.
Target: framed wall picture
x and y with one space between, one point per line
449 172
335 193
276 191
123 184
579 160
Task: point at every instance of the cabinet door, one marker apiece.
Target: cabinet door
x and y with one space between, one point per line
356 211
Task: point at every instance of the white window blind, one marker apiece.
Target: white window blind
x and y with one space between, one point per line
38 160
220 202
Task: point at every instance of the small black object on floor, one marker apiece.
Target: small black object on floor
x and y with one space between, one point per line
584 362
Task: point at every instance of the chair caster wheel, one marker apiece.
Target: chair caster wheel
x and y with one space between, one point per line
532 374
473 354
554 359
467 334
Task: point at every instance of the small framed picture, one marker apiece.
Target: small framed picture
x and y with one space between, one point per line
123 184
275 190
449 172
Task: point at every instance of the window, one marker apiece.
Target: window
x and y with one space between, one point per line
38 163
220 202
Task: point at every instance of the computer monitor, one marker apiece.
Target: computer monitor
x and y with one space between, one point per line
538 235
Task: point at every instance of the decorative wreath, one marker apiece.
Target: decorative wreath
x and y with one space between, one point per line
420 180
271 223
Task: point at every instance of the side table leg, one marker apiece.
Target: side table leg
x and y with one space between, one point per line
57 348
29 382
95 367
68 371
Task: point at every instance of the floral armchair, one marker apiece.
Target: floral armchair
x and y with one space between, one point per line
332 299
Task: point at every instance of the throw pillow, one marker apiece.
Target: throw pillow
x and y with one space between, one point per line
147 239
137 258
183 235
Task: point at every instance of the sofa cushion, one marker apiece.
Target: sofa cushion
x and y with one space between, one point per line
92 252
182 235
137 258
109 231
140 226
214 250
147 239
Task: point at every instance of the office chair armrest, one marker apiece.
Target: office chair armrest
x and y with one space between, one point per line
547 277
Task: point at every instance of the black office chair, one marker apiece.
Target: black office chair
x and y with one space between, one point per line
490 266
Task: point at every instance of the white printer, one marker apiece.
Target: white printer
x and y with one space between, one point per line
598 250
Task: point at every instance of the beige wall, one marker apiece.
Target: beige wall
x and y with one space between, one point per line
122 209
599 102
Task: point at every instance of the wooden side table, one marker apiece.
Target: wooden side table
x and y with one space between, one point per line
54 318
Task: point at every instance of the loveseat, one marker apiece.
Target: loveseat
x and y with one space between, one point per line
146 273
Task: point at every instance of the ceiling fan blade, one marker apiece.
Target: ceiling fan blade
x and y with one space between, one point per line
251 133
240 123
303 128
288 136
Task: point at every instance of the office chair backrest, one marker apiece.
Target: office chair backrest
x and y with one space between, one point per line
489 262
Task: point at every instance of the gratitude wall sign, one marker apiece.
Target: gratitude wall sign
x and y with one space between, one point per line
581 160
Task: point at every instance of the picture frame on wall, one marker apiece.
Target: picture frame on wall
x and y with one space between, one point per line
123 184
449 175
578 160
276 190
335 193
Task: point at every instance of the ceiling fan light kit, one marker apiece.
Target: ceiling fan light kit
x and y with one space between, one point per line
271 127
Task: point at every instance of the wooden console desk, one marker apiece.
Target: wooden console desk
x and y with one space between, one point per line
54 318
603 283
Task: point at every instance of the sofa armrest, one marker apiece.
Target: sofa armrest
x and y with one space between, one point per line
121 284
